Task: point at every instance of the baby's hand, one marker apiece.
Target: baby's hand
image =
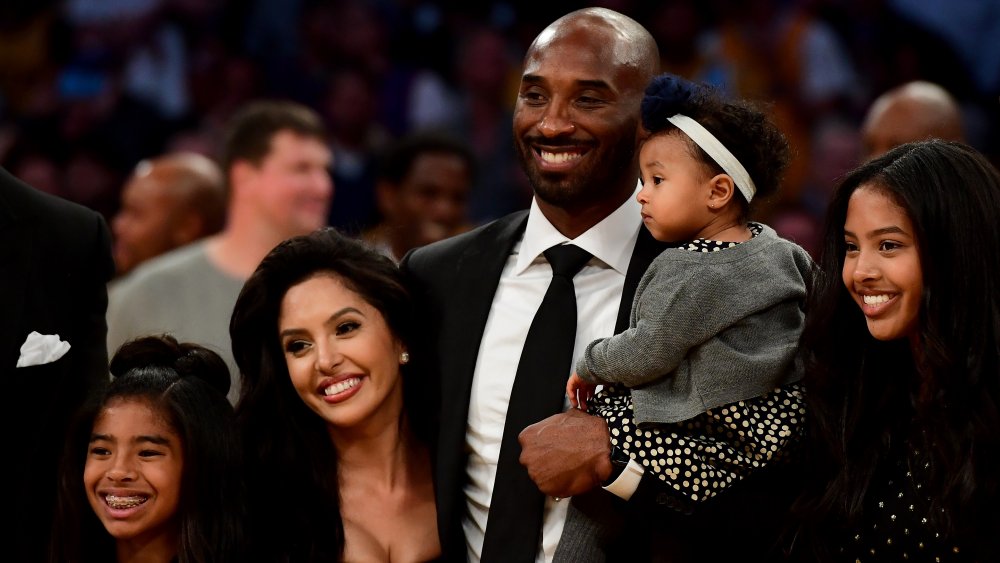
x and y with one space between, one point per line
579 392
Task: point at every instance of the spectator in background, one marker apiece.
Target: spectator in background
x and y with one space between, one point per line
90 178
677 26
350 108
915 111
423 193
836 149
410 97
276 162
146 77
56 258
798 225
132 44
784 54
26 46
487 73
168 202
36 169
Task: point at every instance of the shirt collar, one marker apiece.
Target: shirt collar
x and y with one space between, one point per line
611 241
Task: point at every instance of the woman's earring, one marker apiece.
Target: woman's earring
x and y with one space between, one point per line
404 358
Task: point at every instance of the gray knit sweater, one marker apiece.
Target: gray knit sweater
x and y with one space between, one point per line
708 329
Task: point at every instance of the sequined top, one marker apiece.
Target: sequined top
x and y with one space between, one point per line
897 524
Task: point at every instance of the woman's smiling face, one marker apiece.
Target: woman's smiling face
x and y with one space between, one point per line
342 358
882 269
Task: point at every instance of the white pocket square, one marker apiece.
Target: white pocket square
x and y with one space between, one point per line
41 349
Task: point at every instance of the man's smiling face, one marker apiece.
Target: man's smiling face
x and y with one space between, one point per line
576 117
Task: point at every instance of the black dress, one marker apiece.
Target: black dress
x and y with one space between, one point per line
898 522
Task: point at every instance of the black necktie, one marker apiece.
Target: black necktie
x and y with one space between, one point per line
514 526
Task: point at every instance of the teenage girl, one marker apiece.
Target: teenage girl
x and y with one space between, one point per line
903 351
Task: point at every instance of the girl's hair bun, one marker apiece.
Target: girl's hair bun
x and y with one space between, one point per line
204 364
163 354
667 95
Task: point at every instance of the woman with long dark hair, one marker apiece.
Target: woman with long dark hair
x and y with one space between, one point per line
903 347
337 460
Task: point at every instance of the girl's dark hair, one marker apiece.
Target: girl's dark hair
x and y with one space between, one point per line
742 127
186 384
291 459
867 396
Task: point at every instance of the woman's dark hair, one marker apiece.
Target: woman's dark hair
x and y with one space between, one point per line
939 397
292 463
186 384
742 127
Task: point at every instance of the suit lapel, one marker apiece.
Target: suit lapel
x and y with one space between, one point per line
484 259
16 247
467 302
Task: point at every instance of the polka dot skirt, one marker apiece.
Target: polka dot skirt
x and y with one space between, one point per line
704 455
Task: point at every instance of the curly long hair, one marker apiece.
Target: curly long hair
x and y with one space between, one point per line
292 463
866 396
186 384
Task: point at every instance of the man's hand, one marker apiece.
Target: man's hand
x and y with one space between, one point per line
567 454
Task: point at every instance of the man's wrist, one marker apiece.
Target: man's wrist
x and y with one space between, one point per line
625 475
603 467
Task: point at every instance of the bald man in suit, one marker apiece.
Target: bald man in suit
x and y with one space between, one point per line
576 128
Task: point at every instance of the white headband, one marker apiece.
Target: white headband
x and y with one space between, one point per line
719 153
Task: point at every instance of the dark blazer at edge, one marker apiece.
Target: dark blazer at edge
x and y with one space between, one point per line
55 262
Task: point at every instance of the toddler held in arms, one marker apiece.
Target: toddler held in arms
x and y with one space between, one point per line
716 319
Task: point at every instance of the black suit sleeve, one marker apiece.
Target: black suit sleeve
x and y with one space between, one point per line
91 322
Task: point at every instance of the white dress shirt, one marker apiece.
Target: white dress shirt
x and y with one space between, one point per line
523 283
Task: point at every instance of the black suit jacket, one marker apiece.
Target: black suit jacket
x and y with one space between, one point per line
55 262
453 283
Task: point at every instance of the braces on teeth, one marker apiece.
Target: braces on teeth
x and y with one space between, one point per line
124 502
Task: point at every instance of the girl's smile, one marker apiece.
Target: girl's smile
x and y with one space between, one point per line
882 269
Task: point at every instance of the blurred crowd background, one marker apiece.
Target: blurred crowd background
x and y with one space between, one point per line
89 88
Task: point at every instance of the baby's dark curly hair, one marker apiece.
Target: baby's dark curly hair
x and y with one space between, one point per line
740 125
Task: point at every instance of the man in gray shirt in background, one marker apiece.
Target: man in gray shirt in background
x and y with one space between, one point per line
277 170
